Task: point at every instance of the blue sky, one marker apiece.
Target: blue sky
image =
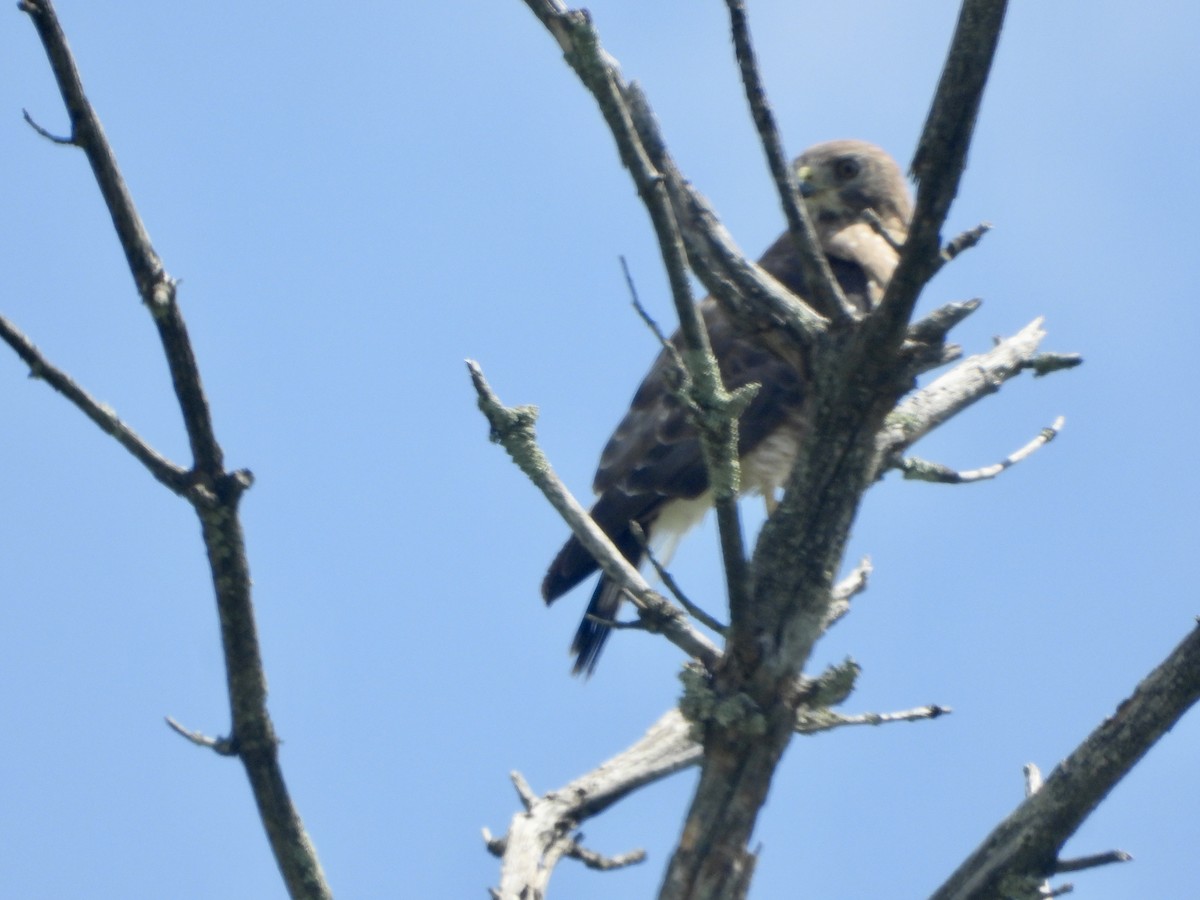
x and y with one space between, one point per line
357 198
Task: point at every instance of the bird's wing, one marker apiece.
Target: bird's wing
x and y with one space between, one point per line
655 449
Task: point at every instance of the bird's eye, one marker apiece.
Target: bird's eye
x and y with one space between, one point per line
845 168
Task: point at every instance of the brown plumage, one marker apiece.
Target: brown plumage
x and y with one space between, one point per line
652 471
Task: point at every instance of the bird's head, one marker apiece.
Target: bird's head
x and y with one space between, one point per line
841 179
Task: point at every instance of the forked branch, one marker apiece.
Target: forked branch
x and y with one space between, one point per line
1022 851
213 491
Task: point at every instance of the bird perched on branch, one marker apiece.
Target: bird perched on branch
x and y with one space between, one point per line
652 471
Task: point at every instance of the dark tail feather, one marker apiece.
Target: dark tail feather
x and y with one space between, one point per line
590 638
605 604
613 512
571 566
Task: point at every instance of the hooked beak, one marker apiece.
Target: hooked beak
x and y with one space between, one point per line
804 177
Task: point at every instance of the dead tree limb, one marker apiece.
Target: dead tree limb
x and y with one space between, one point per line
213 491
1023 850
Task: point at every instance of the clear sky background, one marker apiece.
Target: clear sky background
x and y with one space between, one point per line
355 198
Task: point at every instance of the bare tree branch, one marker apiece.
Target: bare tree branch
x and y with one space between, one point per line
963 386
542 834
846 590
1023 849
924 470
68 141
942 155
935 326
602 863
544 831
165 471
877 225
512 428
1091 862
671 585
220 746
212 491
825 295
816 721
858 382
963 242
155 286
925 347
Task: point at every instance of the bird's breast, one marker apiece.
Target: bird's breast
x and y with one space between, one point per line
766 468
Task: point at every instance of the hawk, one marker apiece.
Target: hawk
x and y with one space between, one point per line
652 471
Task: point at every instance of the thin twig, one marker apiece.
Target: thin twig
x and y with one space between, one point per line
672 585
824 294
1033 784
222 746
816 721
845 590
946 396
961 243
941 157
156 287
644 315
925 346
168 473
923 470
524 791
1047 363
1060 891
720 434
682 386
1079 863
69 140
872 218
602 863
935 326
